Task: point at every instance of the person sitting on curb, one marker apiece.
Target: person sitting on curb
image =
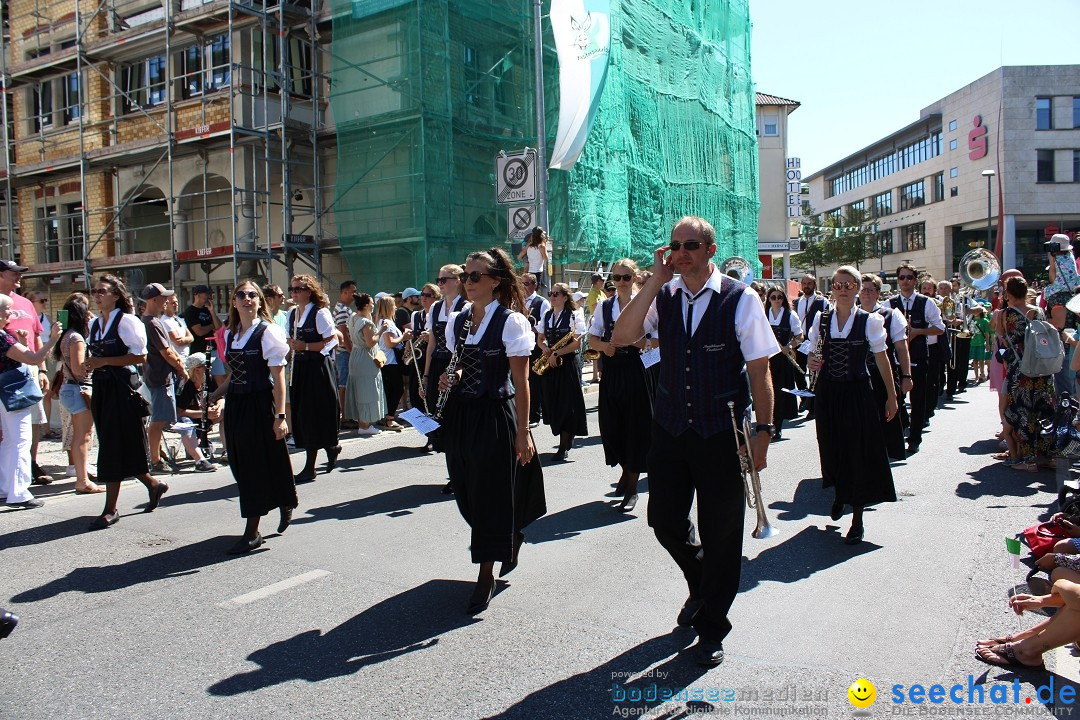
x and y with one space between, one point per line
189 411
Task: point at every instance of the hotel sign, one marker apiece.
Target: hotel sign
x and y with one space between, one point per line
793 187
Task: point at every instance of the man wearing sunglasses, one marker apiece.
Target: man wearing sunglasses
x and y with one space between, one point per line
715 344
924 321
807 307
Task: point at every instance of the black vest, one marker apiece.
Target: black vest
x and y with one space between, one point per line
886 314
816 306
535 307
109 345
607 310
485 368
554 332
782 332
845 358
249 371
916 318
307 332
699 375
438 326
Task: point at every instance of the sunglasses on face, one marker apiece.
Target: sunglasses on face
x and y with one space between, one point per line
622 278
556 293
676 245
444 280
530 283
845 285
427 295
776 297
473 277
298 289
249 294
905 277
100 291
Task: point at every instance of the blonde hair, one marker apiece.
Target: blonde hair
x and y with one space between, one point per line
455 270
433 289
627 263
385 307
851 270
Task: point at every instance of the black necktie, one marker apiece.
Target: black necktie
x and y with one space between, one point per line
690 312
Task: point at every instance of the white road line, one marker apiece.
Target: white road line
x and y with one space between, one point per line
265 592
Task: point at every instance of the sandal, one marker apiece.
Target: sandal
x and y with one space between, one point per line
1001 456
1003 640
1004 656
90 489
1024 467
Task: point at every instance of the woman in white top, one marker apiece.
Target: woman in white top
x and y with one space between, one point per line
117 344
495 475
391 342
535 254
789 334
626 389
255 425
563 401
853 455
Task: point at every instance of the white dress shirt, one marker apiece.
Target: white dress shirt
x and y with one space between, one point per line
324 324
275 346
577 321
875 330
596 324
932 314
793 321
131 330
517 334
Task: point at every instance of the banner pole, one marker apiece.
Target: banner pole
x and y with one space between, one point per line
541 125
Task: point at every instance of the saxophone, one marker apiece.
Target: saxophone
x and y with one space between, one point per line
451 370
540 365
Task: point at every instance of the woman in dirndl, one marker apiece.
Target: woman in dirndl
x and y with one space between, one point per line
313 392
626 389
563 401
854 459
255 426
495 474
788 332
117 343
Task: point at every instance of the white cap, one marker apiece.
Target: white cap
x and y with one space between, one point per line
578 296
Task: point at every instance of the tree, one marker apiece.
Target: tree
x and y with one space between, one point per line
815 250
855 239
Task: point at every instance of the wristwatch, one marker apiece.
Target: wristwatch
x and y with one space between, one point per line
763 427
280 416
905 377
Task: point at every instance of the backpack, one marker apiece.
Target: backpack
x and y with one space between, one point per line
1043 351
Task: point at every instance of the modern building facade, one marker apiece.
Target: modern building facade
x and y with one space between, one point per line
927 185
774 225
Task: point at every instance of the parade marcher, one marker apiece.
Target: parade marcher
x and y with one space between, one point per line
853 455
74 393
789 335
365 400
809 303
536 306
490 454
924 322
117 344
564 403
342 312
15 424
937 349
255 352
626 389
715 343
429 294
314 388
162 363
899 360
437 355
959 340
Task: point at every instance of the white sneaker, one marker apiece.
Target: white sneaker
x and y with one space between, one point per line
71 471
369 430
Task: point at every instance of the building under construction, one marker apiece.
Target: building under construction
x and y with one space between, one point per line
184 142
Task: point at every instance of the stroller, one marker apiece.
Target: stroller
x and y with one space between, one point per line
1066 443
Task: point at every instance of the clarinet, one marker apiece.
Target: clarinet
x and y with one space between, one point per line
818 347
451 370
204 403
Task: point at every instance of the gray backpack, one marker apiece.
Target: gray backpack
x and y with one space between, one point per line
1043 351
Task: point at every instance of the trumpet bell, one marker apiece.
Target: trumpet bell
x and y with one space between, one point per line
980 269
738 268
764 531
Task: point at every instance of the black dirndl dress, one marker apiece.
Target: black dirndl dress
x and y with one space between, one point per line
785 405
313 393
259 461
625 410
852 448
561 398
123 451
495 493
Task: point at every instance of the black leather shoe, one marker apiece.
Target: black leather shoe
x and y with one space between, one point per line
690 608
837 510
286 518
305 476
7 623
105 521
708 652
628 504
508 567
155 496
331 457
481 597
448 489
854 535
912 449
559 456
244 545
39 476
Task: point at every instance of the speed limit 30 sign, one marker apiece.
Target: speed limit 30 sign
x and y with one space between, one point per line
515 177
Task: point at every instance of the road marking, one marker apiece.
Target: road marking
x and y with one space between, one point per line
265 592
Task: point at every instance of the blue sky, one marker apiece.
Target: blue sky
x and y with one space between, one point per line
864 69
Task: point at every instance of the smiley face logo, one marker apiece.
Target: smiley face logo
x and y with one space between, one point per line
862 693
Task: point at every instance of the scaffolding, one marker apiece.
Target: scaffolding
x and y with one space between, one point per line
174 142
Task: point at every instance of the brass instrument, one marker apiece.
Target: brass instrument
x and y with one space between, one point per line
541 366
738 268
413 355
979 269
591 354
751 479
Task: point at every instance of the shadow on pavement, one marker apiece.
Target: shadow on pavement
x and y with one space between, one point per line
999 481
809 551
809 499
184 560
410 621
576 520
399 502
379 457
982 447
606 689
47 533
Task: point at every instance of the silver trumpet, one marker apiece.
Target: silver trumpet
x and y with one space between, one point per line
751 480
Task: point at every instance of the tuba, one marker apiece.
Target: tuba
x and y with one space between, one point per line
751 480
979 269
738 268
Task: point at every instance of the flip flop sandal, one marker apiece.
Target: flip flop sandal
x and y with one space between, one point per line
1004 656
90 490
1003 640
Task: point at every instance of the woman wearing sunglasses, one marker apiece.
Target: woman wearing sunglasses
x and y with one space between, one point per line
313 392
788 332
495 475
626 389
255 425
563 401
117 343
438 356
853 455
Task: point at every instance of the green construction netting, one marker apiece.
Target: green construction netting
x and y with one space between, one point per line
425 93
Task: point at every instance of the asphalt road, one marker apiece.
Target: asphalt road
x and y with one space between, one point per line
357 611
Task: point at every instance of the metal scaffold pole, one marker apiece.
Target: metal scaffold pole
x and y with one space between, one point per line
541 125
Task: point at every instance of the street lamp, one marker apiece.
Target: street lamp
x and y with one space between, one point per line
988 174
